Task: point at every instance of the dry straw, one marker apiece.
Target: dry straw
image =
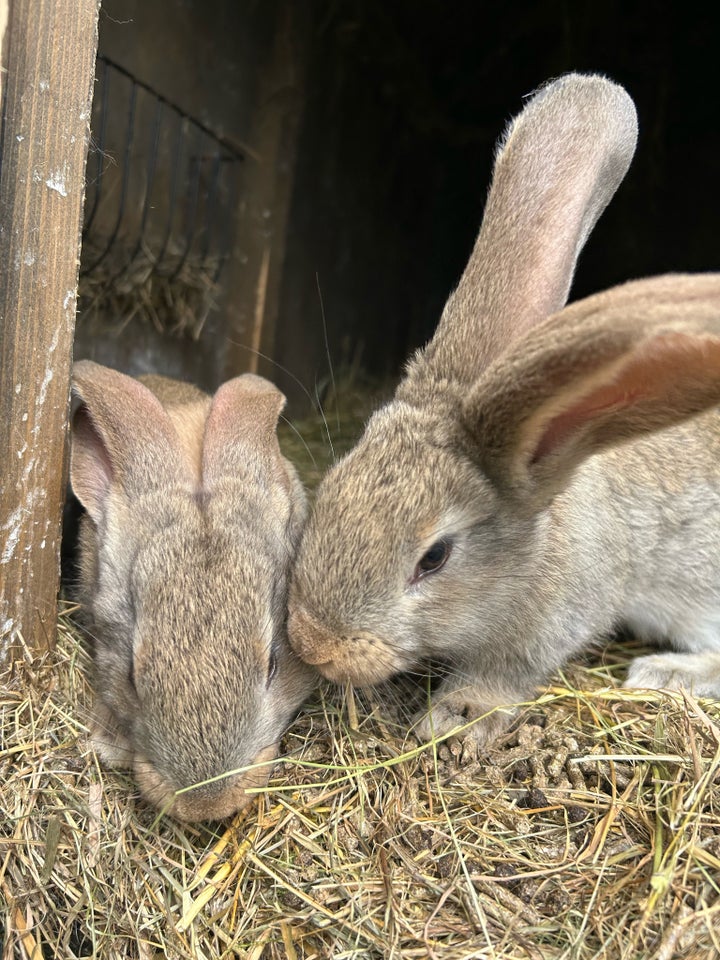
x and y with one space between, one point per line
177 299
592 830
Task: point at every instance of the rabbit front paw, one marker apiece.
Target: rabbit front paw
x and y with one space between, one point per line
698 673
468 711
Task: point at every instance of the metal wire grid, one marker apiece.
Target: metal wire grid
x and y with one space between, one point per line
161 186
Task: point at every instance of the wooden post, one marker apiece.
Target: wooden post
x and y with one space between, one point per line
4 12
253 275
48 56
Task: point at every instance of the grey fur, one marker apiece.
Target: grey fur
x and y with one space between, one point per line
570 456
193 520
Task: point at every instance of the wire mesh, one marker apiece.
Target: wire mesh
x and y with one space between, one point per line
161 194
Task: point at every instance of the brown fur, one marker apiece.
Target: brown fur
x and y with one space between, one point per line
192 521
567 460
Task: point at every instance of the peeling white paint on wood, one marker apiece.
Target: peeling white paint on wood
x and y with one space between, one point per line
41 98
56 182
44 386
7 636
13 525
27 259
20 515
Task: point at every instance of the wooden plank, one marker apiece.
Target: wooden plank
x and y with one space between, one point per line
49 55
4 13
253 276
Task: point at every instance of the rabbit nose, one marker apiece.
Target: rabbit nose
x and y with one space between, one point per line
312 642
211 801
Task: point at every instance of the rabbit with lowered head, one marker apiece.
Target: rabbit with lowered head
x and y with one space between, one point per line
542 475
193 517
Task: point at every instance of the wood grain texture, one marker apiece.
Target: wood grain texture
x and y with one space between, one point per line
49 54
254 272
4 13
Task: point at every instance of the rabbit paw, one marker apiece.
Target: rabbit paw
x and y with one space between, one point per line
467 711
698 673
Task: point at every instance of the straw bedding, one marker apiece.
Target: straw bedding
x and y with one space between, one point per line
592 830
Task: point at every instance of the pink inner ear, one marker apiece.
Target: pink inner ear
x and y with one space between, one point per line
616 397
653 373
91 471
241 424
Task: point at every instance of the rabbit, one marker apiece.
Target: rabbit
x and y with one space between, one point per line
542 475
192 519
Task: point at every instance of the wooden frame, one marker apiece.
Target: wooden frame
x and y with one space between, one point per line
48 59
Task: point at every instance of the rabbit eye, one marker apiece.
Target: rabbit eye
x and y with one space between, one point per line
433 559
272 669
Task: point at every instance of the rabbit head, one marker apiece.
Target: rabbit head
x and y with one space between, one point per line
481 519
192 520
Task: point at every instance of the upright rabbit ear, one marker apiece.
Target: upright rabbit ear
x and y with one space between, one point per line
241 429
626 362
120 435
556 169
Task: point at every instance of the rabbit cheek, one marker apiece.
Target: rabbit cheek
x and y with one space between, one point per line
211 801
107 739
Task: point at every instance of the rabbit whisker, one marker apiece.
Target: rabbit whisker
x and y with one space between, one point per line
327 351
300 438
315 401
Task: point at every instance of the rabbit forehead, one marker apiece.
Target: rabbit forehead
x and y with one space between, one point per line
207 581
203 634
398 490
231 524
399 478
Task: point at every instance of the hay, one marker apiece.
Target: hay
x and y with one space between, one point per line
176 297
592 830
315 442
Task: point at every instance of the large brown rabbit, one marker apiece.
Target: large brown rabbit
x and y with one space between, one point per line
540 477
193 518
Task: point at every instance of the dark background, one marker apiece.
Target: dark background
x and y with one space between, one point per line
401 105
410 99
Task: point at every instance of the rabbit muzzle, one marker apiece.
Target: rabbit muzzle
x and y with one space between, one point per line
213 800
356 657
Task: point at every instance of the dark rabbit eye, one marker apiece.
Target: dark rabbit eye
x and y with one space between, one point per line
433 559
272 669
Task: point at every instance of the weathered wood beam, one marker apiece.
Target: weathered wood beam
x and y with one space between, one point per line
253 276
49 58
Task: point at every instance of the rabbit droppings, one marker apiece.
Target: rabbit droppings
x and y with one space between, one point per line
542 475
193 517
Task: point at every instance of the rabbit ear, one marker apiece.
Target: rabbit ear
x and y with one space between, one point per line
556 169
241 428
120 434
617 365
